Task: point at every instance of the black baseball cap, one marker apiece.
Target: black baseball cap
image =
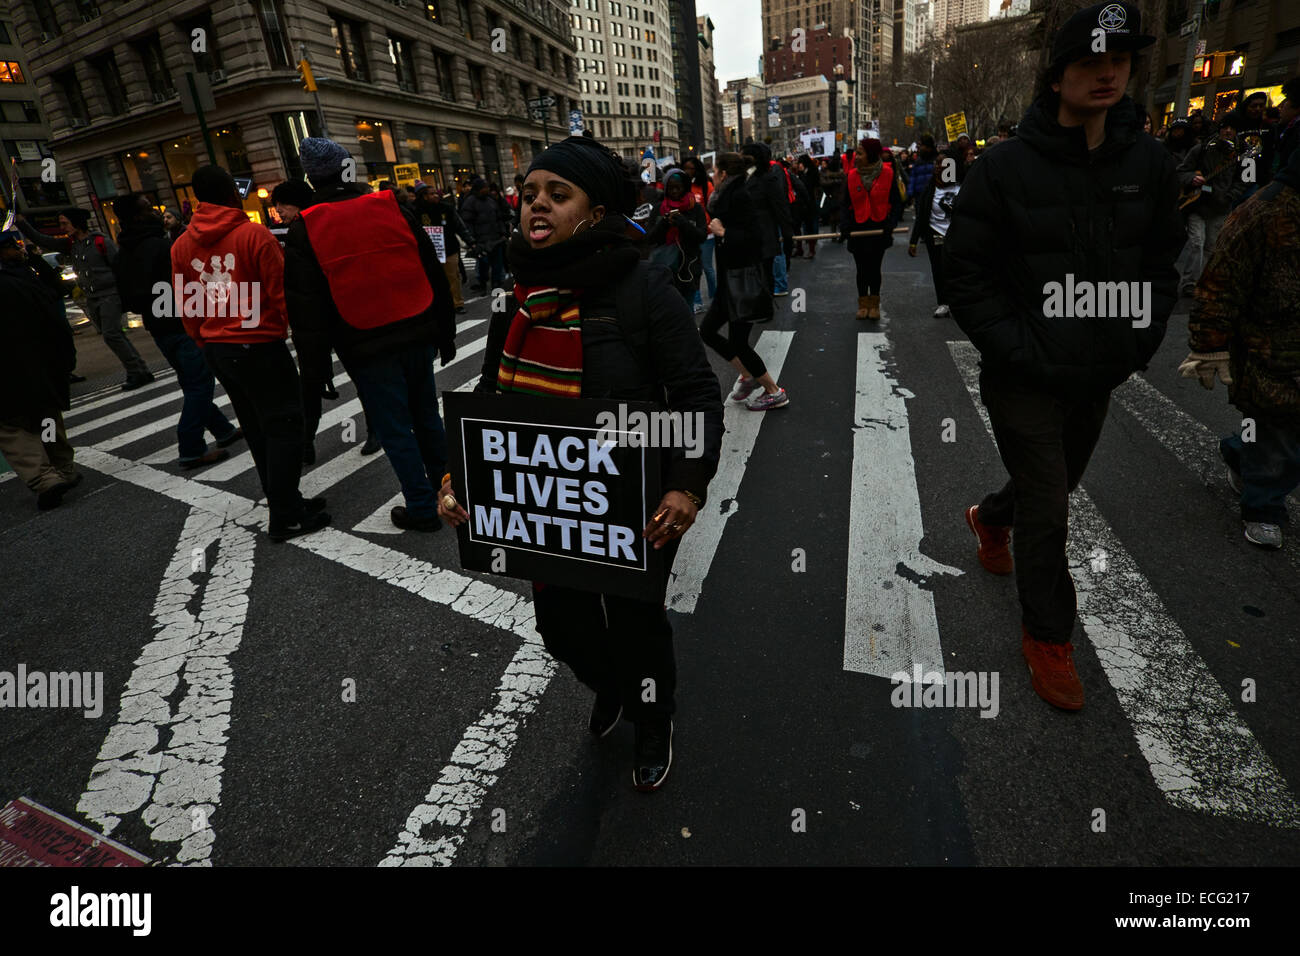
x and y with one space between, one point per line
1122 23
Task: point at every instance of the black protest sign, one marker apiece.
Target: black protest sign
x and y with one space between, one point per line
552 497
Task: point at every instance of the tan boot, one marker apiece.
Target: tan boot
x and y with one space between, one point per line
873 307
864 306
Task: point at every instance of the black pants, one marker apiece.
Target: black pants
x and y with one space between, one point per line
262 383
1045 443
868 253
613 644
934 249
736 344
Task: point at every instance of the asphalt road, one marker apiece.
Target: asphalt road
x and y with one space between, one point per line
226 737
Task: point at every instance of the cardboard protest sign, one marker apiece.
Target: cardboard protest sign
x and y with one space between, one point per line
439 241
554 493
955 125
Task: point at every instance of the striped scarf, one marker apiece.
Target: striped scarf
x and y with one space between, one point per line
543 350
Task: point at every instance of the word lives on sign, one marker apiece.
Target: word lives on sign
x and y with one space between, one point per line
555 494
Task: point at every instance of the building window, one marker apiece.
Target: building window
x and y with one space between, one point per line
466 22
476 83
209 61
350 48
402 56
45 17
290 130
70 87
155 67
110 80
431 9
30 113
446 81
270 15
11 72
87 9
377 151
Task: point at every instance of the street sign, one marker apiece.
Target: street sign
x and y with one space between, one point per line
575 122
405 174
1187 29
200 81
542 102
955 125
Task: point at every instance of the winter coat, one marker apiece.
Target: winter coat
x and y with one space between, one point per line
812 181
1225 184
38 351
94 268
671 370
233 252
1042 207
742 243
1246 303
766 187
487 219
317 324
879 203
143 260
919 178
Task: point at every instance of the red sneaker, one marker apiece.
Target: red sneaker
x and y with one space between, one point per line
1051 667
995 554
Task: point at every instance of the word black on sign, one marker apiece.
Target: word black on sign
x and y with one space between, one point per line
542 481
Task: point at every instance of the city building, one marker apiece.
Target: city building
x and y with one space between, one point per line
851 19
710 98
686 76
626 74
806 104
441 84
750 95
948 15
1247 48
25 138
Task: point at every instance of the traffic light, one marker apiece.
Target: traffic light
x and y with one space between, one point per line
305 74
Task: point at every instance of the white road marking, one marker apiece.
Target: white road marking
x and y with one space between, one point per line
152 428
889 617
457 794
165 763
172 395
111 394
696 552
1201 753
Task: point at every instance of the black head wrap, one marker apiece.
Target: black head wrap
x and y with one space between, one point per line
592 168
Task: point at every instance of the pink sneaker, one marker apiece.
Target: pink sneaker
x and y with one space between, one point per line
777 399
744 388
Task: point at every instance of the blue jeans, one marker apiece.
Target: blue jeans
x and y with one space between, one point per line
496 260
779 281
1269 468
197 382
710 276
402 401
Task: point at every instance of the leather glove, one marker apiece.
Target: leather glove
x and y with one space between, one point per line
1205 365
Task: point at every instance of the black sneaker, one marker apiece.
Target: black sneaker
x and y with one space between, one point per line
371 446
312 505
304 525
652 753
408 522
606 712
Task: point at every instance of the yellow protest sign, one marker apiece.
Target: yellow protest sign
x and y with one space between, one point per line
955 125
406 174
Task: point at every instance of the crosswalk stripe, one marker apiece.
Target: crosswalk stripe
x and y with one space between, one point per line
169 397
1202 755
889 618
697 550
112 394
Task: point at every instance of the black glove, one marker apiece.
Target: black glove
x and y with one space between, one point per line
327 389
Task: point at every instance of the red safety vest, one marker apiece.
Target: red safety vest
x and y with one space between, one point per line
864 210
370 259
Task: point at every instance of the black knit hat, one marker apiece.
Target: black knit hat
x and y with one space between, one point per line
295 192
592 168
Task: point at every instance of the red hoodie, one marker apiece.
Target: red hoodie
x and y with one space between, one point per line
236 292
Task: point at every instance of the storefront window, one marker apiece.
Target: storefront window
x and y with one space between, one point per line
422 148
459 156
1224 104
290 130
377 151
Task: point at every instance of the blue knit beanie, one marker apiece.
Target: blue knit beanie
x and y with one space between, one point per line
321 158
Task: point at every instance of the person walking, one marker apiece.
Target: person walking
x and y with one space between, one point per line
807 171
240 323
766 186
144 265
488 221
1243 329
676 237
92 257
702 189
37 357
933 215
1040 210
362 277
740 232
1210 167
574 268
441 219
868 182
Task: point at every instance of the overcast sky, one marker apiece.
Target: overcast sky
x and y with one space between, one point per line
738 35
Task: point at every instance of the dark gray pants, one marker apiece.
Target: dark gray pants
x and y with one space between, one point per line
106 313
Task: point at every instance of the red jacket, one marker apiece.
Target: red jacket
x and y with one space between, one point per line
236 292
872 205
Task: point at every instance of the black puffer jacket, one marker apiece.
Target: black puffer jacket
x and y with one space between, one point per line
144 258
742 243
766 187
38 350
1040 207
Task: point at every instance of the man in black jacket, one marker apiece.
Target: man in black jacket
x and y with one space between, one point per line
1078 206
442 219
766 187
143 271
362 277
37 356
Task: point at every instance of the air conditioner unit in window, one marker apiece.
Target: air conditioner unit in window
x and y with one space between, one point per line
76 121
217 76
160 97
87 17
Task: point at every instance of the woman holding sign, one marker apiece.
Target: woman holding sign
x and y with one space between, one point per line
589 319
